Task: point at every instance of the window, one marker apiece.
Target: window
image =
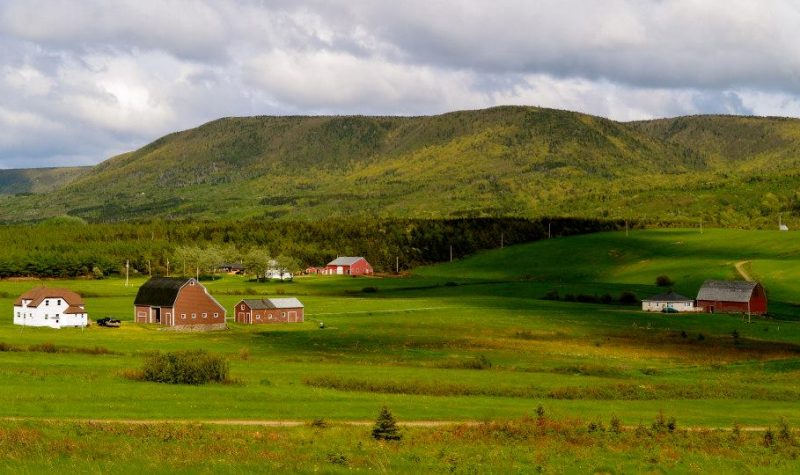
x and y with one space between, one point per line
58 302
183 316
283 314
205 315
216 314
194 316
45 316
18 314
142 314
242 307
47 302
258 317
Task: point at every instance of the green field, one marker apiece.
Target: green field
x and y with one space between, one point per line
470 340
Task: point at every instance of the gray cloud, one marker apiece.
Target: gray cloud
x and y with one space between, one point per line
82 80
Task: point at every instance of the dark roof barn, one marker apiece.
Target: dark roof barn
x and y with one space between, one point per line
160 291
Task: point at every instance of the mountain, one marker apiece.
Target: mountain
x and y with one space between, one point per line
37 180
503 161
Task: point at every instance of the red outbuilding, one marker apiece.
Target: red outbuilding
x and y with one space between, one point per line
174 302
348 266
732 296
282 310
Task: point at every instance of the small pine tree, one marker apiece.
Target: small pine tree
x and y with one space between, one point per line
385 426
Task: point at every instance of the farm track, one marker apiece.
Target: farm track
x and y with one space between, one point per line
296 423
743 273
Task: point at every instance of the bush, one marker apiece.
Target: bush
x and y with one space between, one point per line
385 426
46 347
606 298
586 298
569 298
551 294
450 283
369 290
664 281
628 298
185 367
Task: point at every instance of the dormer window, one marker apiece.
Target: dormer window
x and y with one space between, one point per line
58 302
47 302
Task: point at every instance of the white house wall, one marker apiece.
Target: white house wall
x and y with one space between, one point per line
656 306
51 315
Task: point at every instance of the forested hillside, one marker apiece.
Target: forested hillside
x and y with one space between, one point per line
37 180
505 161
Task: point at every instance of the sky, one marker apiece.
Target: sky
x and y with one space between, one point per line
83 80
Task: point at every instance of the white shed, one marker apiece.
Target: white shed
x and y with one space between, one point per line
665 302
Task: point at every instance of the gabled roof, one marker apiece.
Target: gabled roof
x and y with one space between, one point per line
668 297
39 294
726 290
160 291
266 304
344 261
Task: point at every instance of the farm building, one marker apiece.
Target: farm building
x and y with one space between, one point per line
732 296
348 266
664 302
55 308
231 267
283 310
175 301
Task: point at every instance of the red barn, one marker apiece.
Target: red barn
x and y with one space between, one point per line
283 310
732 296
175 302
348 266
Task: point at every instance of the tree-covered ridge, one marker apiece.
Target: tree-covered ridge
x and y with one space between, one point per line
37 180
504 161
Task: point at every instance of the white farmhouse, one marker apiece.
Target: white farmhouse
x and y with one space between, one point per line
670 302
45 307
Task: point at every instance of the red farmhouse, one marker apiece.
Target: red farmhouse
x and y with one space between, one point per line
732 296
284 310
173 302
348 266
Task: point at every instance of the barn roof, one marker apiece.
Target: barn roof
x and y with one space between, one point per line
37 296
344 261
726 290
668 297
266 304
160 291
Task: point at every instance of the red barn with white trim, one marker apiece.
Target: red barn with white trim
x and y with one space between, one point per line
348 266
732 296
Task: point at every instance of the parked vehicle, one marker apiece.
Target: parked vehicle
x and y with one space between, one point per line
108 322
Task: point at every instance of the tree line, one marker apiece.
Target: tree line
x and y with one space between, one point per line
70 248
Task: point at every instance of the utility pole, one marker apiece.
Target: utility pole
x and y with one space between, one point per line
626 228
701 225
549 228
451 253
127 271
149 269
397 265
167 267
501 240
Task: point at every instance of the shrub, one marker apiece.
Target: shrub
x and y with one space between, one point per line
385 426
615 425
596 426
664 281
337 458
185 367
569 298
450 283
6 347
46 347
784 431
319 423
606 298
769 438
628 298
369 290
551 294
700 337
541 417
586 298
244 354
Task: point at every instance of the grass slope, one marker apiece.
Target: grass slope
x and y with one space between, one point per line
509 161
468 340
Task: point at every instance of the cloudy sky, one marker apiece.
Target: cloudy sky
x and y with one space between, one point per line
81 80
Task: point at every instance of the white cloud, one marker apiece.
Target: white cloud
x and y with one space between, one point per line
84 79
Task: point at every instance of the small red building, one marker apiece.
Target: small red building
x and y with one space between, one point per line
174 301
283 310
348 266
732 296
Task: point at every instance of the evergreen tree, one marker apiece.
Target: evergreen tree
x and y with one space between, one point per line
385 426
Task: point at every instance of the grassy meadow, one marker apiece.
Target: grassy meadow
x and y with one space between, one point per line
468 341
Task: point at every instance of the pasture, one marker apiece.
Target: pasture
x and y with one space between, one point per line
465 341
